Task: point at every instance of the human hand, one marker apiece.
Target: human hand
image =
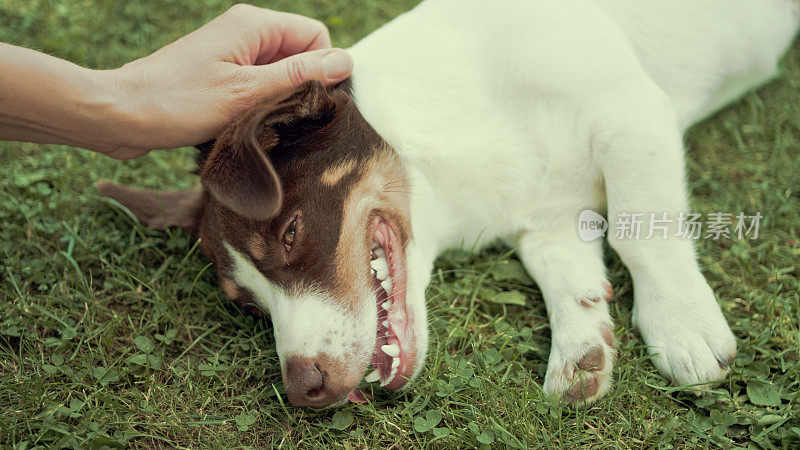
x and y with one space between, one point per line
188 91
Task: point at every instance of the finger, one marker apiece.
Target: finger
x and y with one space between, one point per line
271 35
327 66
293 34
302 34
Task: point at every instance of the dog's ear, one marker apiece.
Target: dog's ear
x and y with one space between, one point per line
238 172
204 150
159 209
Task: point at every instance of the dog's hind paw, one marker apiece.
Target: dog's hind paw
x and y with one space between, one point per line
582 374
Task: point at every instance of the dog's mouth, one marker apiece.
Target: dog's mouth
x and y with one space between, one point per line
394 355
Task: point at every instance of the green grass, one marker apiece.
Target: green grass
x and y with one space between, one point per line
114 335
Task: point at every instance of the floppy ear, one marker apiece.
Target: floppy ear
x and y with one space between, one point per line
238 173
159 209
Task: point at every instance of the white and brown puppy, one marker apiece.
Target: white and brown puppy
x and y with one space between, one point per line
469 120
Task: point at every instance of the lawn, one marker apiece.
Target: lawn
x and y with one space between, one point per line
113 335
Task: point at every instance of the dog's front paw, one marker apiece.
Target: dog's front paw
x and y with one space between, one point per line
689 338
580 365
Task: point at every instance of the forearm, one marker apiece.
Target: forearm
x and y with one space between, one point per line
48 100
183 94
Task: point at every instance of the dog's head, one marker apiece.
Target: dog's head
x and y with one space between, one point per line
303 210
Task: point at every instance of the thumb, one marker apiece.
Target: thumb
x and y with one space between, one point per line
328 66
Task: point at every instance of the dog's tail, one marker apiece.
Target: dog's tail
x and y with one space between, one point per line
158 209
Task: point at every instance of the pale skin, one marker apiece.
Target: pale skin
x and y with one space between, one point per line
183 94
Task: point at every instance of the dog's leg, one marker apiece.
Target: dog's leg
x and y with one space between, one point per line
572 278
639 149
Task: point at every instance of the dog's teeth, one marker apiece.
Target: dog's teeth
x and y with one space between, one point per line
381 268
395 363
379 252
390 379
373 376
385 324
387 305
392 350
387 285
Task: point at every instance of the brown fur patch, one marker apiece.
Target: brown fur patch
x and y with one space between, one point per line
334 175
594 359
583 389
229 288
375 191
609 297
608 336
258 246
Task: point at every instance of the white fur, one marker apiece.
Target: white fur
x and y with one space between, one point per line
512 116
310 323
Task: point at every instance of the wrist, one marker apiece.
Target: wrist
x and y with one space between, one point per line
117 111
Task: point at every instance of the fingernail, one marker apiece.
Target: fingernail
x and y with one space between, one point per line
337 65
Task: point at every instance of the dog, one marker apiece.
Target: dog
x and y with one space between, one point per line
468 121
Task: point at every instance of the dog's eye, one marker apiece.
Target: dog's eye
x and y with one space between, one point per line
288 236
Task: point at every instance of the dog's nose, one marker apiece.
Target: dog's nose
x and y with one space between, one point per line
311 382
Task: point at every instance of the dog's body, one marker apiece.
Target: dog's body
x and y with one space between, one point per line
502 123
